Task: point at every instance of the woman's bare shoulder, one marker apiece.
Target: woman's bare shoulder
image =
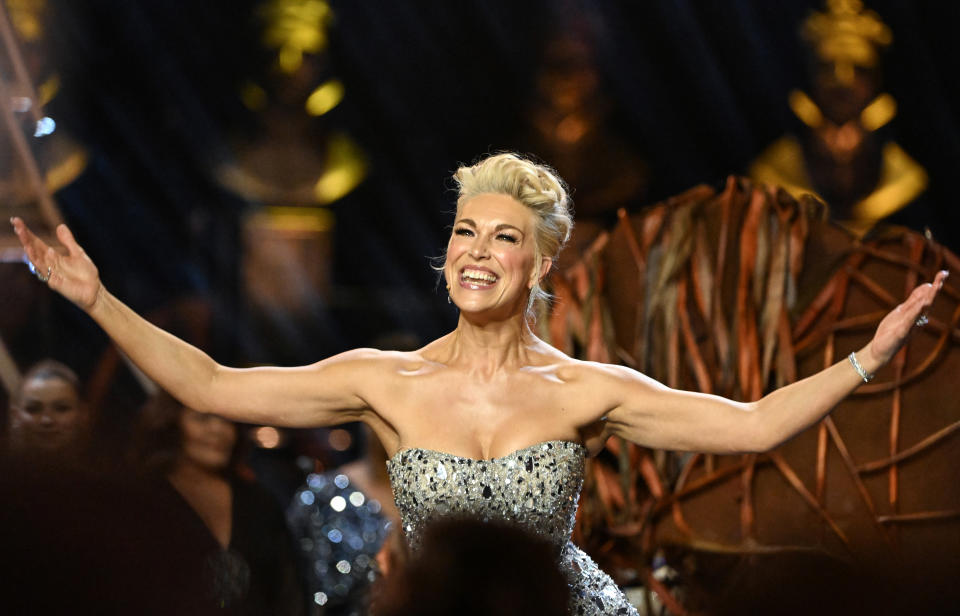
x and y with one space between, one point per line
376 359
560 367
593 373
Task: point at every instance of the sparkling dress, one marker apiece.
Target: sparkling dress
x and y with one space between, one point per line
339 531
536 488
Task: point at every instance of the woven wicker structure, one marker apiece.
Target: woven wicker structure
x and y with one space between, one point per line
736 293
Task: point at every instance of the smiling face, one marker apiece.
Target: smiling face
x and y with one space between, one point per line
48 415
207 440
491 257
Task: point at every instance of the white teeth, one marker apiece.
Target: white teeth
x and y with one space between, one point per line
478 275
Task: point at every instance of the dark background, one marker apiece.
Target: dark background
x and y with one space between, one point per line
150 88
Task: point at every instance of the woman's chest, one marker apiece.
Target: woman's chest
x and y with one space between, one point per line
476 417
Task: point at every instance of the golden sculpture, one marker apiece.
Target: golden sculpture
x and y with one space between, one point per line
840 158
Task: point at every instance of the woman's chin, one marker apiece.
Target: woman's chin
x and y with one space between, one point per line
490 311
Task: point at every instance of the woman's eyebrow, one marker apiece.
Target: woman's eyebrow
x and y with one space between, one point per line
504 225
500 227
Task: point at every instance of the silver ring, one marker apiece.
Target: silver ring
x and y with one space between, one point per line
43 278
921 320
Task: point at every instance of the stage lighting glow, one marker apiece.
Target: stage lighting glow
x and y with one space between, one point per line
327 96
290 58
253 96
20 104
45 126
266 437
340 439
296 27
879 112
346 169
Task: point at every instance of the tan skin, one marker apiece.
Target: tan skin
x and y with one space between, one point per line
488 388
198 475
47 414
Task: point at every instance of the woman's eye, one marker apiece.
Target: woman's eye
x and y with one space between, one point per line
506 237
464 232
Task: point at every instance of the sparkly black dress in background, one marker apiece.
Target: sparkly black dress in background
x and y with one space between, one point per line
535 488
340 531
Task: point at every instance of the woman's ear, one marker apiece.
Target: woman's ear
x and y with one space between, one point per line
545 264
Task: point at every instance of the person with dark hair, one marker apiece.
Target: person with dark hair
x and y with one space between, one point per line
48 420
249 565
75 524
466 567
488 420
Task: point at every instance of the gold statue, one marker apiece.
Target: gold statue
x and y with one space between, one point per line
840 158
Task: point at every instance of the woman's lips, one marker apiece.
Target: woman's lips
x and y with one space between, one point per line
477 278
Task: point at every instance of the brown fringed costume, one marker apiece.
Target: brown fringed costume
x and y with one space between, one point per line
736 293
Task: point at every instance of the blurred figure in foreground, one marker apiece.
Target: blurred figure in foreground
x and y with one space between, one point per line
81 537
470 567
249 566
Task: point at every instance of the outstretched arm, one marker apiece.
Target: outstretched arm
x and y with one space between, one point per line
651 414
324 393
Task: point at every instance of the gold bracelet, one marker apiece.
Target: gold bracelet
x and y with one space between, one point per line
856 366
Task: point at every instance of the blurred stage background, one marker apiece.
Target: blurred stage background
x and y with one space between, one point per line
270 178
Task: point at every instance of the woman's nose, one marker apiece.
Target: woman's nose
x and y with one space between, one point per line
222 426
479 248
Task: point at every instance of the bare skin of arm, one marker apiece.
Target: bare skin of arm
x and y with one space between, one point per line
323 393
646 412
339 389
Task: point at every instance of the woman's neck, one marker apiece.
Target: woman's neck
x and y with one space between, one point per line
485 347
209 494
186 474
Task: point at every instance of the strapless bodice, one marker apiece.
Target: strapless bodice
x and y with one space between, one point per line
535 488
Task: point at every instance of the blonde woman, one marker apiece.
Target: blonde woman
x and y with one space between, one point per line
487 420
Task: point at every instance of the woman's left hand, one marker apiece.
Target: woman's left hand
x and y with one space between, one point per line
896 326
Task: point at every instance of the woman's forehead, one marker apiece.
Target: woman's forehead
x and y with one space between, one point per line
496 208
48 385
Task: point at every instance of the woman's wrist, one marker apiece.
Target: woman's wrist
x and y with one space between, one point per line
99 301
869 360
859 369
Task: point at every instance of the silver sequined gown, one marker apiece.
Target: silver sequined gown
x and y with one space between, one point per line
536 488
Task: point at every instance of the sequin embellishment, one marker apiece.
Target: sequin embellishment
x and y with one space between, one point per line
339 531
536 488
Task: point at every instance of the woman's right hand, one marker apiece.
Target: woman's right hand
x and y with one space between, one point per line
73 275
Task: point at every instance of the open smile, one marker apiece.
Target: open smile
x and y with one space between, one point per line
477 278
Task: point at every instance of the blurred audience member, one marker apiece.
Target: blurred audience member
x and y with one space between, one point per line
48 421
78 538
474 568
343 520
250 567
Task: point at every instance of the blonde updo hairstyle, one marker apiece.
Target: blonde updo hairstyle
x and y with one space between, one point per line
536 186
